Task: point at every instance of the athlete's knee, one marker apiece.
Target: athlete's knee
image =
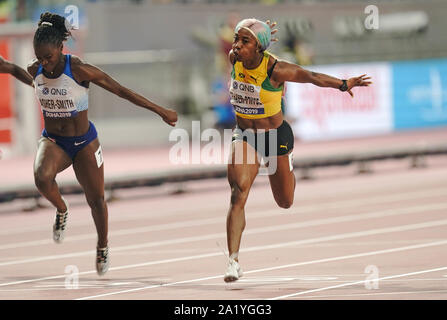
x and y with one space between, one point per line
43 178
239 194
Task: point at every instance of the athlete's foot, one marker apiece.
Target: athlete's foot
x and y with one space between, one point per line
234 271
102 260
60 224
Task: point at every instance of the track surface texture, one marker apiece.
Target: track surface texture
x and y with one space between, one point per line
349 236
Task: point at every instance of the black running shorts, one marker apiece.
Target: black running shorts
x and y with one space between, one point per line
274 142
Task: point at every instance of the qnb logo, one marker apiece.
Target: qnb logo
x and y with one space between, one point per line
246 87
45 91
61 92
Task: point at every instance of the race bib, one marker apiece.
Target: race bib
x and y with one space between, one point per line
98 156
55 103
245 98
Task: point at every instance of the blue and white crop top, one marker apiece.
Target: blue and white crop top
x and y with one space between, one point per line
62 97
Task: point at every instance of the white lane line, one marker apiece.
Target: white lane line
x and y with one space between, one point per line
408 227
214 254
357 282
352 203
423 245
373 294
358 255
258 214
317 222
112 219
133 231
257 248
187 258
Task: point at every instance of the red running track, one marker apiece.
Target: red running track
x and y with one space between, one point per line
347 236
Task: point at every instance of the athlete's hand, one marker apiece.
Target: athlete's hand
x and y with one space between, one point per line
272 25
170 117
361 81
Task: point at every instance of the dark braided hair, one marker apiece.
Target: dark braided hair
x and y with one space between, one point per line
51 30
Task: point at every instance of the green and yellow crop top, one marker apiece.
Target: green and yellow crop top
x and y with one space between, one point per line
251 93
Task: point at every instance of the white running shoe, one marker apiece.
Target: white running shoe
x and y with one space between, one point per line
59 225
102 260
234 271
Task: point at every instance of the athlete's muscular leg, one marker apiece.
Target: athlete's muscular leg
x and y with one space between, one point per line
283 182
50 160
91 178
241 174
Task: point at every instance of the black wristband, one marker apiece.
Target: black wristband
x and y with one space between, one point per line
344 86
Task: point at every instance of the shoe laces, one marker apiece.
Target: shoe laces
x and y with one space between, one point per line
61 220
102 254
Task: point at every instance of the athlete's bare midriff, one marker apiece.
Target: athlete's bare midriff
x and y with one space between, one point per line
268 123
69 127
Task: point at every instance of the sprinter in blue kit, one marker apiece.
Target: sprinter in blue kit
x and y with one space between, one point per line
61 84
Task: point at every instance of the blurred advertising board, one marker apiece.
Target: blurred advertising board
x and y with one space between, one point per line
404 95
419 93
318 113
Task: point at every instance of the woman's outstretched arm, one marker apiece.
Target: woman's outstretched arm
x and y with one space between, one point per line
16 71
87 72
